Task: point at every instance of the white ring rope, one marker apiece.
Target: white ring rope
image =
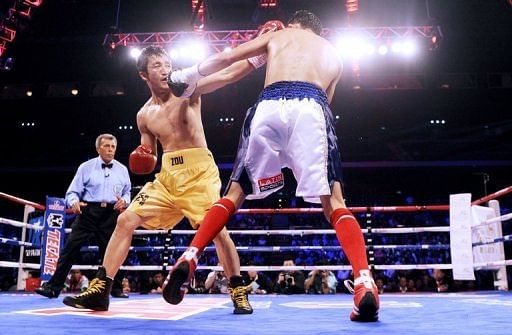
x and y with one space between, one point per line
249 268
34 266
20 224
283 248
496 240
401 230
493 264
16 242
494 220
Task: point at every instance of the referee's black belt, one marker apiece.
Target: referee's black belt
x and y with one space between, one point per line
100 204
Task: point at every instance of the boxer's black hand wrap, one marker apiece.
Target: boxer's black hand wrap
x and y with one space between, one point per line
176 88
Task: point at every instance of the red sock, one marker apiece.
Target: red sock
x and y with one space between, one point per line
213 222
351 239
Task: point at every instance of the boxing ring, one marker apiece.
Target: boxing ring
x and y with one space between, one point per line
483 312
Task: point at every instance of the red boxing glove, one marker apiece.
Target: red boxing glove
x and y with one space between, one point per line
142 160
270 26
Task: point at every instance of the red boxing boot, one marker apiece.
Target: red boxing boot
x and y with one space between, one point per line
366 298
176 284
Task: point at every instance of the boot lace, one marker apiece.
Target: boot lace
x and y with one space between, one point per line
239 297
96 286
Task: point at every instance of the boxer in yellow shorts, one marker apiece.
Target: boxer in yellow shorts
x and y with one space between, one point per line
188 184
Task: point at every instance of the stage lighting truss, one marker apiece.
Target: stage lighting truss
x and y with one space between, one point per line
218 41
3 47
20 9
33 3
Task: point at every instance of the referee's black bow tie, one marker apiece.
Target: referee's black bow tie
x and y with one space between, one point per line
109 166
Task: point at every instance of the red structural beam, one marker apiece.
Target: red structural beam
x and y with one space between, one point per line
352 209
493 196
21 201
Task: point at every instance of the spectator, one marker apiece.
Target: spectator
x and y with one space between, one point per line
259 283
126 285
156 283
76 282
216 282
321 282
444 281
290 282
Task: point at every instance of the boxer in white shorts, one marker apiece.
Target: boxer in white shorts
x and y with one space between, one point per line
291 125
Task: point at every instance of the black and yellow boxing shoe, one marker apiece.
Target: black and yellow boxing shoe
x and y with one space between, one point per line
238 292
96 295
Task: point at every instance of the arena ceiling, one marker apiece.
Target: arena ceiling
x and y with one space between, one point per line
466 82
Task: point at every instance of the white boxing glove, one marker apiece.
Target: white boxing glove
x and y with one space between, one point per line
183 82
258 61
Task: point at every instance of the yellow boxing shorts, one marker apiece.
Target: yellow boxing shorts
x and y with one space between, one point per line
187 186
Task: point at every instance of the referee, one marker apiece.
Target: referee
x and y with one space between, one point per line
99 191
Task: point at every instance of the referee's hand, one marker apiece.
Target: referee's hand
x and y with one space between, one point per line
76 208
120 203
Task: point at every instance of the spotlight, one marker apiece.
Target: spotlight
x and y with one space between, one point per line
354 47
192 50
6 64
174 54
396 47
409 48
198 51
383 50
135 52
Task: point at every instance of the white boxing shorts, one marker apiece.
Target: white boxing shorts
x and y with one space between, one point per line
291 126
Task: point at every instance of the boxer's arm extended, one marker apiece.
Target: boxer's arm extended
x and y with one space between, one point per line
183 82
219 79
246 50
190 76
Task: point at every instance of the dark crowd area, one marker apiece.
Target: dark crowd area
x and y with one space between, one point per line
325 251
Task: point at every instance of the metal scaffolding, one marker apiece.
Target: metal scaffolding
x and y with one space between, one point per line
221 39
